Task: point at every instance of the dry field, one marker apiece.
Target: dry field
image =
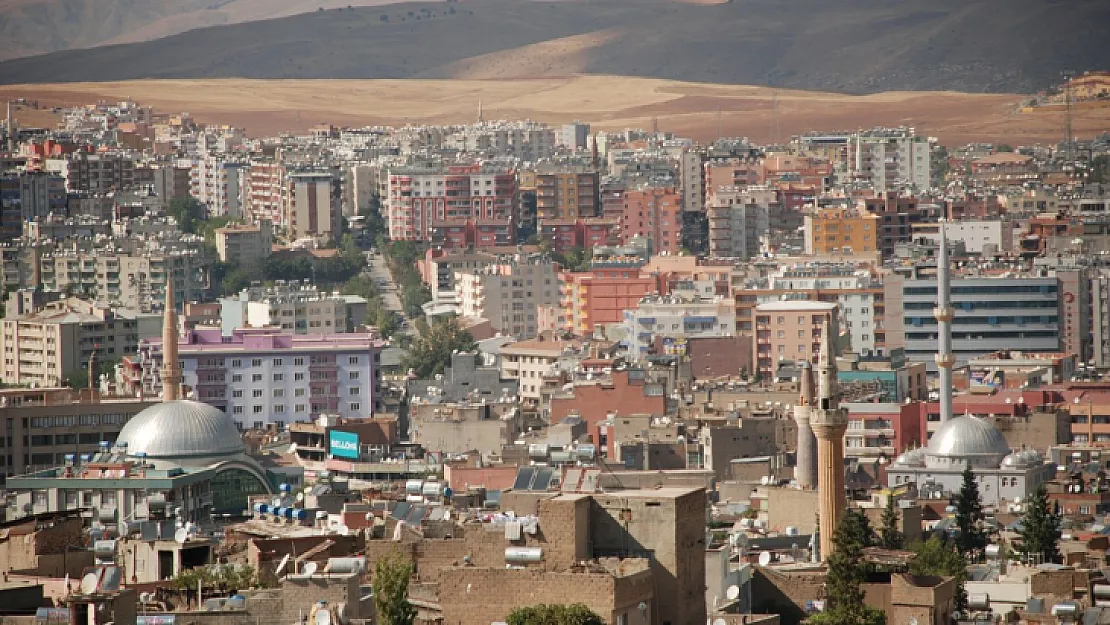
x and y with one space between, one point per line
609 103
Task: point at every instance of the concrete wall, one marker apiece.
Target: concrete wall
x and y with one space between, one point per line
792 507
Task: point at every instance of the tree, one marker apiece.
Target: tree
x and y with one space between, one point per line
1004 147
1040 530
80 378
972 537
936 556
554 614
889 535
431 353
188 212
844 595
391 590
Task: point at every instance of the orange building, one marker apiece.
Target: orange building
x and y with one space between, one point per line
601 296
840 230
791 331
653 213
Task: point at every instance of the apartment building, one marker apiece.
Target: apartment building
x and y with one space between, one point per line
1020 313
263 377
415 199
313 205
591 300
221 185
43 425
731 172
130 281
570 193
99 172
897 215
980 237
831 231
681 315
508 293
564 234
265 193
247 246
574 136
295 308
439 269
889 159
531 361
791 331
45 346
738 219
655 214
27 196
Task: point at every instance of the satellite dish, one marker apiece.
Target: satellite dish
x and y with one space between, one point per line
88 584
323 617
309 569
733 593
181 535
282 565
765 558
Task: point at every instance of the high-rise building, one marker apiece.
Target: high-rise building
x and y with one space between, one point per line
738 219
416 200
655 214
563 194
508 294
313 205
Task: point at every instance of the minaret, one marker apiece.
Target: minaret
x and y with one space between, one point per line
829 421
10 129
944 314
171 373
806 471
480 117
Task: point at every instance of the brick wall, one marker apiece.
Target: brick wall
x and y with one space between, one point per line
792 507
475 596
785 594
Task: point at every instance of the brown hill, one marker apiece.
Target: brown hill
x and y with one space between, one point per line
855 46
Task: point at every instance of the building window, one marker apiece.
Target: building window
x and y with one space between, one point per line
256 392
279 392
298 377
353 360
258 424
257 410
256 362
279 377
353 375
236 363
237 410
298 392
354 390
299 408
279 408
256 377
277 362
236 393
299 362
355 406
237 377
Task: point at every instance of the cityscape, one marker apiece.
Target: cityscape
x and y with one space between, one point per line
552 371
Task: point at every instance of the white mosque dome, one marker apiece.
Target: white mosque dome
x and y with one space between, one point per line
181 429
912 458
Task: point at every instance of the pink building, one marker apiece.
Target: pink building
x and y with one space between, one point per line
420 204
654 213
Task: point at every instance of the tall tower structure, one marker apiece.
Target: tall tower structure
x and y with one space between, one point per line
944 314
10 129
806 471
171 369
829 421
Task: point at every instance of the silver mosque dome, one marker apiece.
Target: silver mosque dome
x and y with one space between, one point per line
912 458
968 437
181 429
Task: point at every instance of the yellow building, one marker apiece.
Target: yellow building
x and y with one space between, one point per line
839 230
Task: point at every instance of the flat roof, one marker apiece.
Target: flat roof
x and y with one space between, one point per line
796 306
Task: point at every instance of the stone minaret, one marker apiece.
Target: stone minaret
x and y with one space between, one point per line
171 372
944 314
829 421
806 471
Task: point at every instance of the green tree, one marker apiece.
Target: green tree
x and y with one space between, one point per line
889 535
431 353
1004 147
189 212
937 556
972 537
554 614
1040 530
80 378
844 596
391 590
1100 169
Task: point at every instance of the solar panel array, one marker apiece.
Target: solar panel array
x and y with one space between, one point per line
534 478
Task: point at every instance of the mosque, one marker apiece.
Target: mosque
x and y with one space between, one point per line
967 441
180 455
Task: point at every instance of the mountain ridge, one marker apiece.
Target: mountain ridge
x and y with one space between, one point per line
864 46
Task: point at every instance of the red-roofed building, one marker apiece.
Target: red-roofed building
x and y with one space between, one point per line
624 393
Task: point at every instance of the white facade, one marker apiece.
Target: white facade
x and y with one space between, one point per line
507 295
312 205
856 301
890 160
978 237
676 316
738 219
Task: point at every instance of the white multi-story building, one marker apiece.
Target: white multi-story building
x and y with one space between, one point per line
890 159
507 294
415 199
220 185
264 377
738 218
676 317
295 308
